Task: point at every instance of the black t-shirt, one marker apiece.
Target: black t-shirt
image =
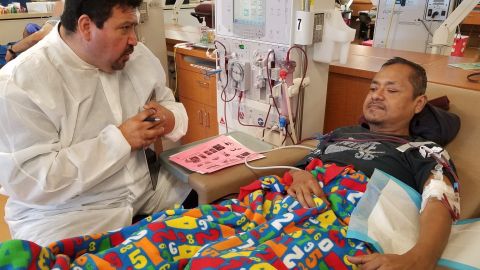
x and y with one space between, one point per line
367 150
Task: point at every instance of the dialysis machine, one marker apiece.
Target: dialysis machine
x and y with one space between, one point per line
409 24
251 95
258 88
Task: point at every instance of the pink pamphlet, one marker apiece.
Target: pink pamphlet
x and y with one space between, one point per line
214 155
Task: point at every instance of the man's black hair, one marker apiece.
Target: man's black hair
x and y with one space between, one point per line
418 76
98 10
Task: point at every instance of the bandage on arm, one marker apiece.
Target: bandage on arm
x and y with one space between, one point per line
438 189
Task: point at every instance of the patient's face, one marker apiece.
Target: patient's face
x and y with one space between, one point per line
389 105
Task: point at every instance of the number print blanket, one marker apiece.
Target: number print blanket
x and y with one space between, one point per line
262 229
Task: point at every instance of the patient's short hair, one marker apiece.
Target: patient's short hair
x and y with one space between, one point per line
98 10
418 76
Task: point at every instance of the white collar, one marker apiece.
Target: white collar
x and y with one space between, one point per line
65 53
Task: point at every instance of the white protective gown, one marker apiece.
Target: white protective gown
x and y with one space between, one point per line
64 164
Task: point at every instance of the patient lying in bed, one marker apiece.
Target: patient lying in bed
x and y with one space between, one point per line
265 227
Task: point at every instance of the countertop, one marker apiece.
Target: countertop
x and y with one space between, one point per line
364 61
17 16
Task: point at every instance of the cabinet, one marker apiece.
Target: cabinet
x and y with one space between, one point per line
198 93
473 17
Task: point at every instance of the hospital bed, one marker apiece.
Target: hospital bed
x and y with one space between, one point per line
465 151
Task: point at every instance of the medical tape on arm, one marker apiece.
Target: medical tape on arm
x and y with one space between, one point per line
438 189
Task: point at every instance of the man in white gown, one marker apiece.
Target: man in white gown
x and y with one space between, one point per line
73 129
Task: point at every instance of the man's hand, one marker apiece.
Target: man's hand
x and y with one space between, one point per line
140 133
390 262
303 187
8 56
167 119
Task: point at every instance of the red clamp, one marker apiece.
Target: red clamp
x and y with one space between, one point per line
283 73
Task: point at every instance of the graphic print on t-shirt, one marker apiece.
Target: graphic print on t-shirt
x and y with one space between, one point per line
364 150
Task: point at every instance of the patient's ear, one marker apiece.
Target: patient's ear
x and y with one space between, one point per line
420 102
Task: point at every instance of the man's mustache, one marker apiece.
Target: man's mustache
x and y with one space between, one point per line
128 50
376 104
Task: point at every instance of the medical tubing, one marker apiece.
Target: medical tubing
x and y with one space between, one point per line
426 27
365 140
225 101
377 137
290 115
175 69
270 81
223 94
305 68
305 62
223 97
223 45
299 112
446 203
290 134
225 115
284 142
275 167
449 168
444 163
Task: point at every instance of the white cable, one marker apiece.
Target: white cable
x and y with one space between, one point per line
276 167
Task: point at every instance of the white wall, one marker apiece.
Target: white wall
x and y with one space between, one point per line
316 93
152 32
184 17
315 96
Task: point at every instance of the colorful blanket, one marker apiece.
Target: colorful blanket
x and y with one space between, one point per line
263 229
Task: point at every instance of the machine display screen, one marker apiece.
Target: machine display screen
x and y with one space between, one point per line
249 12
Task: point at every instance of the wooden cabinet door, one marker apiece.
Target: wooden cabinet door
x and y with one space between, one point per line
345 96
196 129
210 121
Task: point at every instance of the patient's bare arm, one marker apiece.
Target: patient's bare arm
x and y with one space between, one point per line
435 226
